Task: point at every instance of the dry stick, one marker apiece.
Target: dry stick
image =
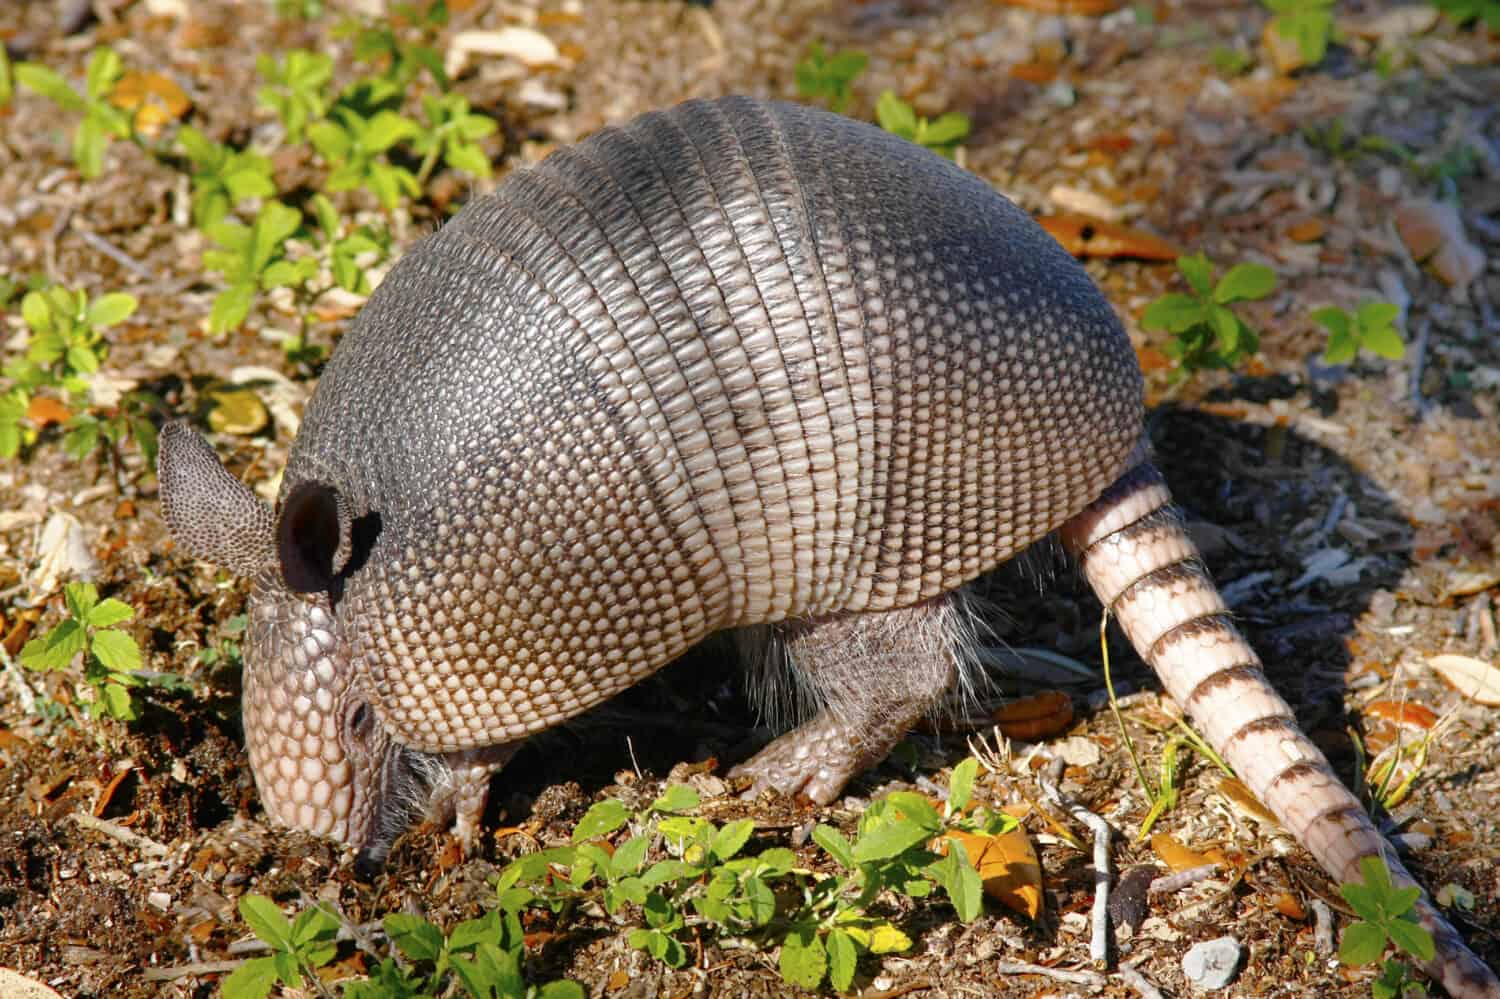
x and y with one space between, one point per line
1323 928
1131 976
1170 883
177 971
1099 937
1419 362
1085 978
115 831
114 253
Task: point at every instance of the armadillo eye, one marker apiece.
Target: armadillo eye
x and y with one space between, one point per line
361 721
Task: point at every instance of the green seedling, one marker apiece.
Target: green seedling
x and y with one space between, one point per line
1387 916
223 177
349 253
253 258
228 651
1308 23
298 948
298 10
708 883
1369 328
297 89
111 657
1206 332
355 148
941 135
381 42
1464 11
829 77
1231 61
7 88
452 132
67 345
102 121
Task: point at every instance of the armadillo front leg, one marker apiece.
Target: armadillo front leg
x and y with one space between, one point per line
872 676
1146 570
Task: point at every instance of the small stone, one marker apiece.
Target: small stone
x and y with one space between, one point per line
159 900
1213 964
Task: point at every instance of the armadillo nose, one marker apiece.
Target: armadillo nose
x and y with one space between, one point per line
370 861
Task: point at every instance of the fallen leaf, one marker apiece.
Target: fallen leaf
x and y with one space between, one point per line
1040 73
155 99
1077 201
44 410
1474 678
1175 855
1037 717
63 553
1286 903
1434 234
1245 803
1285 53
1076 8
525 45
1402 713
1007 866
1085 236
1306 230
18 986
237 411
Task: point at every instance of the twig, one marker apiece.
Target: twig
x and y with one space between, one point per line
1099 937
119 833
116 254
177 971
1085 978
1143 987
1419 363
1322 926
1170 883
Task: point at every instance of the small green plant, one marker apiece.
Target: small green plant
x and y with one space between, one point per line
223 177
829 77
1386 916
1369 328
227 652
102 121
7 88
297 89
1206 332
1308 23
941 135
67 343
707 882
481 958
453 133
1231 61
298 948
355 148
405 42
253 258
1464 11
110 655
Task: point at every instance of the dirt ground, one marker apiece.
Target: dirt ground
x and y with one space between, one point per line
1351 513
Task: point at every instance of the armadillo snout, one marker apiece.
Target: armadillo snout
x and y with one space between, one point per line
313 741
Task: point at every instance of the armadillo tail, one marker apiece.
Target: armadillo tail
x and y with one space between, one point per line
1145 569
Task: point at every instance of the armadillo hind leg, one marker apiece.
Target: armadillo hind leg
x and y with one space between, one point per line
869 677
1145 569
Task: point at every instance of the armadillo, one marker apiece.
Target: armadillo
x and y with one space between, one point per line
733 365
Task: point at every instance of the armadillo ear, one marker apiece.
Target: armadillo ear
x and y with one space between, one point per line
211 514
312 537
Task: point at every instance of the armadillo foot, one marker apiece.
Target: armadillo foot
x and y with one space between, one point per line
464 792
871 675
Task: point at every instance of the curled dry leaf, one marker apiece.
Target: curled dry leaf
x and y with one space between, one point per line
1474 678
1434 234
527 46
1246 803
43 410
1007 866
1086 236
1037 717
156 100
1080 202
1402 713
1180 858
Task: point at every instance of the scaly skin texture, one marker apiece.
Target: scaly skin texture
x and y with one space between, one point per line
734 364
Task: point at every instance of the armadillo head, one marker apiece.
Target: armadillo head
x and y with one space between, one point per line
321 757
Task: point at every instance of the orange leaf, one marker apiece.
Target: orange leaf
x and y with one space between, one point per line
1034 72
1402 713
1306 229
1083 236
1246 803
1175 855
1035 717
155 99
43 411
1008 867
1152 359
1286 903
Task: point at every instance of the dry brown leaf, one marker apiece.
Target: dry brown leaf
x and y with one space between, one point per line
1306 230
1008 866
1073 8
1035 717
1085 236
1246 803
43 410
1041 73
1285 53
1434 234
1402 713
155 99
1286 903
1175 855
1474 678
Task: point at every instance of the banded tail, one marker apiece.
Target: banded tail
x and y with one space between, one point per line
1145 569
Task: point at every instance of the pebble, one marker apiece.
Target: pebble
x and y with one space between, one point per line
1213 964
